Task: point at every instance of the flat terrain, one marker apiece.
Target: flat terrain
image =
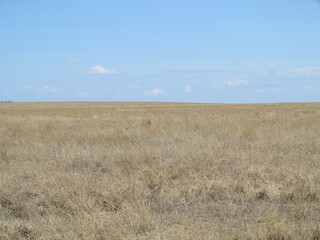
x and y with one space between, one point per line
159 171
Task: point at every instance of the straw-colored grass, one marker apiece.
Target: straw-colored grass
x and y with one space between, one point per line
159 171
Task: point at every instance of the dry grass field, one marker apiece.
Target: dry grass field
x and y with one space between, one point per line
159 171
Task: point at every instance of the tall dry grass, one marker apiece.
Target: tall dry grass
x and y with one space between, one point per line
159 171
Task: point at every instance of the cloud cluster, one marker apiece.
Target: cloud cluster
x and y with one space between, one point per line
305 72
49 89
42 89
301 72
155 92
235 83
229 84
98 69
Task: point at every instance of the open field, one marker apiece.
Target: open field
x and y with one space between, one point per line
159 171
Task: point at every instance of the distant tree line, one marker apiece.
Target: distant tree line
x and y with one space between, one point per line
6 101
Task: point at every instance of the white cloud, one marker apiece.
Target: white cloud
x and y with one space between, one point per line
236 83
228 84
98 69
187 89
28 87
83 94
49 89
72 59
275 90
311 88
297 72
305 71
155 92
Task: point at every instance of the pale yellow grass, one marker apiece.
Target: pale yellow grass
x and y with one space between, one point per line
159 171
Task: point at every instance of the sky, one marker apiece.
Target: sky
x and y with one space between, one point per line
247 51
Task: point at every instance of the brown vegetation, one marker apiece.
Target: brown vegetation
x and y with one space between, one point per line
159 171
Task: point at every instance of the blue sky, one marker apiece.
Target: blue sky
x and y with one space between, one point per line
180 50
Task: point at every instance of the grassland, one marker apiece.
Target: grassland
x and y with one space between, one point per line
159 171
